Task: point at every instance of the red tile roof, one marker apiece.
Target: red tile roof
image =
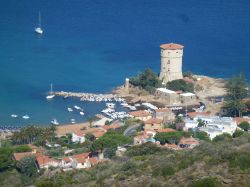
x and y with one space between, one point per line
154 120
19 156
113 126
162 110
140 113
44 160
189 141
66 159
166 130
93 161
171 46
195 114
98 134
80 158
240 120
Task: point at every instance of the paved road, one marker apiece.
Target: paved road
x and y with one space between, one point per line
131 129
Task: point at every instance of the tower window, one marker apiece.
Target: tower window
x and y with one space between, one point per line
168 62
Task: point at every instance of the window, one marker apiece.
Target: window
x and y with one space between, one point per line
168 62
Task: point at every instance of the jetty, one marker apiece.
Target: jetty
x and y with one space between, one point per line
90 96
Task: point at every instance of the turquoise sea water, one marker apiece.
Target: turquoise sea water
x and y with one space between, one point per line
93 45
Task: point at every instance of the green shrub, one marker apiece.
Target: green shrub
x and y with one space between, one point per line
180 85
144 149
223 137
238 133
22 148
167 171
206 182
244 125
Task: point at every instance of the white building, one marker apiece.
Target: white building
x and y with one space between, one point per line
168 95
213 125
78 137
171 62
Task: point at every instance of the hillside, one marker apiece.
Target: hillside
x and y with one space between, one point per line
222 163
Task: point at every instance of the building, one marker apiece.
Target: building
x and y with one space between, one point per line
78 136
171 62
154 124
171 97
213 125
165 114
44 161
188 142
141 115
188 98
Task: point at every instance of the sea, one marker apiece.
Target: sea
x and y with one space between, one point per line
93 45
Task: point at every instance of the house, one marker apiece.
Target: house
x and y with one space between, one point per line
193 115
120 151
34 148
44 161
171 97
116 125
81 160
188 142
188 98
78 136
19 156
153 124
141 115
215 125
101 122
143 137
166 130
165 114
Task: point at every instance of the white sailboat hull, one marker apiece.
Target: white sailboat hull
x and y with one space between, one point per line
39 30
50 96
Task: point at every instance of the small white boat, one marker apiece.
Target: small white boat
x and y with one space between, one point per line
51 95
81 113
77 107
110 105
70 109
73 121
14 115
25 117
39 29
54 122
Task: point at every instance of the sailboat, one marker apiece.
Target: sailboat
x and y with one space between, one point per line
39 29
51 95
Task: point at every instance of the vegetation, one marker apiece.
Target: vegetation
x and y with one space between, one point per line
201 135
33 134
244 125
27 166
206 182
236 91
180 84
223 137
147 80
171 137
111 140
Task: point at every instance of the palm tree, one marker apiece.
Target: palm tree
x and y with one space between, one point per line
90 120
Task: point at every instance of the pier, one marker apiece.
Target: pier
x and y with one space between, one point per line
90 96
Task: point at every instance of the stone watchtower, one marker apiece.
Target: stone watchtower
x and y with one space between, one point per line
171 62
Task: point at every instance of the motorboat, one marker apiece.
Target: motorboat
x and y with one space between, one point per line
14 115
54 122
81 113
73 121
25 117
70 109
110 105
77 107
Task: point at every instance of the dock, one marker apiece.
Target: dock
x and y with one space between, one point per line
90 96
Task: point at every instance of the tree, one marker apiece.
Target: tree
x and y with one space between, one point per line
238 133
22 148
223 137
147 80
27 166
110 139
180 84
201 135
6 161
244 125
201 123
171 137
90 120
236 91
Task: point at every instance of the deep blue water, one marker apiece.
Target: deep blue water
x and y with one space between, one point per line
92 46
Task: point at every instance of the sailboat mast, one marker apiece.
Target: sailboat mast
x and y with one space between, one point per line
51 89
39 19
